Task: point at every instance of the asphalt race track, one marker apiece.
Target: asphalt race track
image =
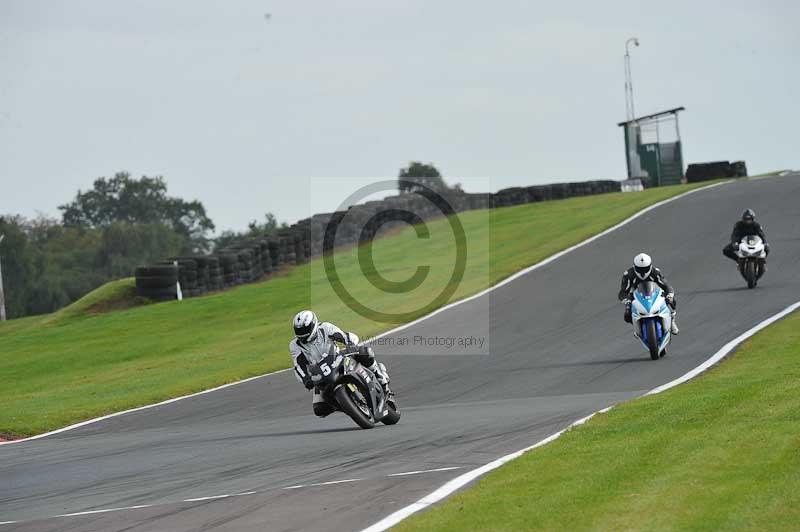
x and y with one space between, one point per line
559 351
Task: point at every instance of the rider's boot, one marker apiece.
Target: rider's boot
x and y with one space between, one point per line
383 376
674 327
320 406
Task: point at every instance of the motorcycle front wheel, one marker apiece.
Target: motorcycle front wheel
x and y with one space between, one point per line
354 406
750 273
652 339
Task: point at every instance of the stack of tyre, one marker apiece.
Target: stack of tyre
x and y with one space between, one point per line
229 267
698 172
245 264
302 230
205 283
242 264
187 275
274 253
157 282
253 255
214 272
266 260
258 269
287 244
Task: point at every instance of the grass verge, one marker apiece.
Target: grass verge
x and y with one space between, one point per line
77 364
721 452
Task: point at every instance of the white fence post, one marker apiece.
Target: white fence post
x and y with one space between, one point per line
177 270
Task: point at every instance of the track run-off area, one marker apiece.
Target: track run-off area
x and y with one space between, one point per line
253 457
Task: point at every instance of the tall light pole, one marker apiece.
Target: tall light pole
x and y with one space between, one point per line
629 108
2 294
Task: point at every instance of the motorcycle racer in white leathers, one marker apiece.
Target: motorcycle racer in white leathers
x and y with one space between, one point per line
308 330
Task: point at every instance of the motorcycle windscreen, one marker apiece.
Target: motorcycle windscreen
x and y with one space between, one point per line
317 351
647 288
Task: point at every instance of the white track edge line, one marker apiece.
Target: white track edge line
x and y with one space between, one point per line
462 480
485 291
407 473
333 482
138 506
208 498
104 511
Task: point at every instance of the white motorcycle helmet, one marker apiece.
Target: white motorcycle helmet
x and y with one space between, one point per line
305 325
642 265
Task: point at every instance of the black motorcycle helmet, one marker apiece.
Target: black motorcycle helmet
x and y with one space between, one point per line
748 216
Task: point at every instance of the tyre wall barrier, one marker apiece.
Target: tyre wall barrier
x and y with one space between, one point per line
698 172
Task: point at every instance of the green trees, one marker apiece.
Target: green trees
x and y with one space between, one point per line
121 199
124 246
254 230
40 265
16 262
423 174
47 265
104 233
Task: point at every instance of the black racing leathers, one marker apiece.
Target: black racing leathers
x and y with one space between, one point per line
630 280
742 229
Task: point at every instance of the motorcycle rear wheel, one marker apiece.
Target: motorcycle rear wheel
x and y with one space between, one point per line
349 407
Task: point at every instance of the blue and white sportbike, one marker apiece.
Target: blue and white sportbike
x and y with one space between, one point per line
652 318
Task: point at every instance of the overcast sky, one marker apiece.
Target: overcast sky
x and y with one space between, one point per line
240 110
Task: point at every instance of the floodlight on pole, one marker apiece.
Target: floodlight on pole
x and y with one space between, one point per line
629 107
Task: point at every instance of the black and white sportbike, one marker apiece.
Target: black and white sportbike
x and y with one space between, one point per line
349 386
752 259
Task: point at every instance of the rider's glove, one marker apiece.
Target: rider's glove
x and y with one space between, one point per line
735 245
670 299
308 384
